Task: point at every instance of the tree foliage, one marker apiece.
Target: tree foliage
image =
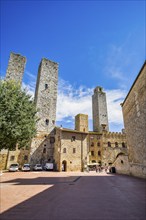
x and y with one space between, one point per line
17 116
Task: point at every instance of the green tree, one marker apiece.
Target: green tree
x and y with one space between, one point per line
17 116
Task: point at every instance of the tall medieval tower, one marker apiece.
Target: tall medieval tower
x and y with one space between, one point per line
46 95
16 67
42 146
99 108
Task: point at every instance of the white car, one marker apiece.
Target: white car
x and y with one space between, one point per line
14 167
48 166
26 167
38 167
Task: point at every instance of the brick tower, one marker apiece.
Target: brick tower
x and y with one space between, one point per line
16 67
99 108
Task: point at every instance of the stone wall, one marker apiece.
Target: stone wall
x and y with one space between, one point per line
81 122
134 113
3 159
16 67
99 108
114 143
42 149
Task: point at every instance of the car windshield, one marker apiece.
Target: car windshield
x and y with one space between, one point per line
14 165
38 165
26 165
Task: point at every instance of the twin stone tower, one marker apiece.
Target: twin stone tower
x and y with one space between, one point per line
46 97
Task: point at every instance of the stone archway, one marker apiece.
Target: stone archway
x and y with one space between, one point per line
64 166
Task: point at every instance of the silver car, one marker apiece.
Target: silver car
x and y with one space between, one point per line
26 167
14 167
38 167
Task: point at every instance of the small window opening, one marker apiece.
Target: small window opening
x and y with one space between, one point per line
116 144
47 121
73 138
46 86
25 157
109 144
99 153
123 145
64 150
98 144
92 153
122 161
12 158
92 144
44 150
74 150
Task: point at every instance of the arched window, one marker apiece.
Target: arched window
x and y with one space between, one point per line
92 144
98 144
92 153
109 144
123 144
116 144
64 150
99 153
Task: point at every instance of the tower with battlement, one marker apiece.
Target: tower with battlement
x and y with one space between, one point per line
99 108
46 95
16 67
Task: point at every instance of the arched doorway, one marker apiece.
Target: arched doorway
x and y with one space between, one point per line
64 166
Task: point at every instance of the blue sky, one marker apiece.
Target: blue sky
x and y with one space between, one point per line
94 42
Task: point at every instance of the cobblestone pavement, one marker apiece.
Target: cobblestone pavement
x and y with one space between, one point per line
72 196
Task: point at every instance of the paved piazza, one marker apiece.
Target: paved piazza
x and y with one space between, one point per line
72 196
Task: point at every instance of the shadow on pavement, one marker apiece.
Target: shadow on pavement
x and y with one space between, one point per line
82 198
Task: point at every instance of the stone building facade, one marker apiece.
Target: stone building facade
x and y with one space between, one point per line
134 114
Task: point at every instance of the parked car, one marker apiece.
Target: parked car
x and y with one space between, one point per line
14 167
38 167
49 166
26 167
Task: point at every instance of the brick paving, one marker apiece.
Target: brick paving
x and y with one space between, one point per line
72 196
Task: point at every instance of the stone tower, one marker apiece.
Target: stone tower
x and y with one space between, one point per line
81 122
46 95
99 108
42 146
16 67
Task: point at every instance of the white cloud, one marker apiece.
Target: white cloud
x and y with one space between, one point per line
72 101
114 99
29 89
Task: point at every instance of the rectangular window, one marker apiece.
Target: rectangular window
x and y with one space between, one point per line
73 138
74 150
47 121
92 153
25 157
44 150
46 86
12 158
